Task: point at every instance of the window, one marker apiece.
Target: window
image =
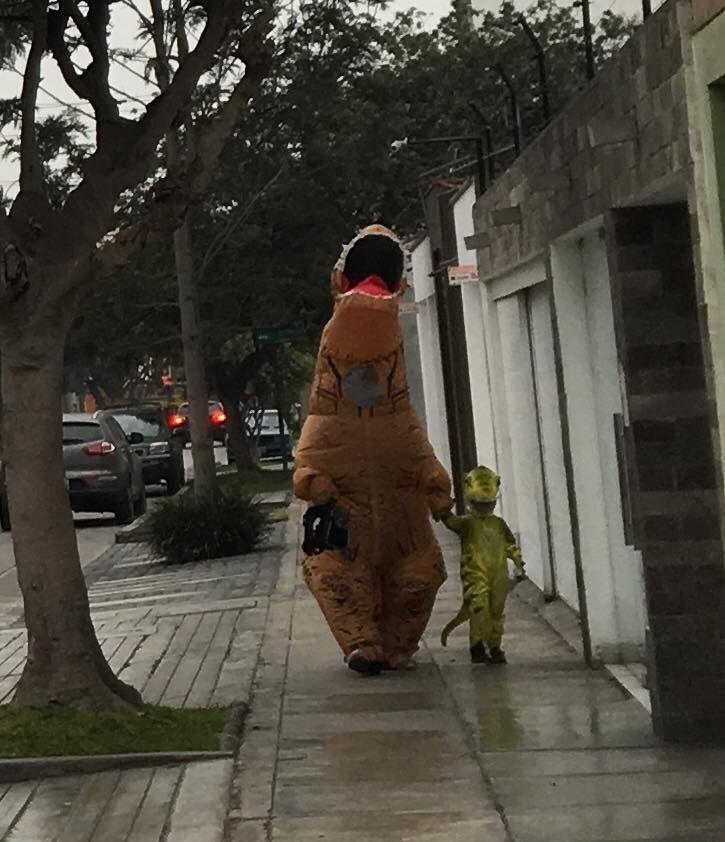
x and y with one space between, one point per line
148 424
81 432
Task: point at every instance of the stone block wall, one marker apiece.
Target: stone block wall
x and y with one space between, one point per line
625 136
703 11
676 510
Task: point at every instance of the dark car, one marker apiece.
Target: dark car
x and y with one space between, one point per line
102 472
161 449
217 421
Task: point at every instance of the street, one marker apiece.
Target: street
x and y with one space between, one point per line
95 533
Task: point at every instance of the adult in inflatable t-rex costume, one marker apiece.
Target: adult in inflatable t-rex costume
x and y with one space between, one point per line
363 447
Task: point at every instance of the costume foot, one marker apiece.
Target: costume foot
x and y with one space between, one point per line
479 654
498 656
359 663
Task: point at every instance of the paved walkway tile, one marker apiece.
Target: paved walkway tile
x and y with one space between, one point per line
182 636
542 750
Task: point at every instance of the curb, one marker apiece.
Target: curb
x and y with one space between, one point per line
27 768
137 532
128 534
231 737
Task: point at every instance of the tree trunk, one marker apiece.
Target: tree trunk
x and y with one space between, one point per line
202 446
65 664
239 443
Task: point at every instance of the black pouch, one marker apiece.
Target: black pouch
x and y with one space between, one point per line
325 529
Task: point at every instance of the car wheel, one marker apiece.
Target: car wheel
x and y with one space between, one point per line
125 509
175 480
4 514
141 506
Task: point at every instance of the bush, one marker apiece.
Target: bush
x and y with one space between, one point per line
185 530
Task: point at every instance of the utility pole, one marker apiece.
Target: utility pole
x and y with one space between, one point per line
588 43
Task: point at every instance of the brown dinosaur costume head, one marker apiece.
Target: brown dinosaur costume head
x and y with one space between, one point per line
367 282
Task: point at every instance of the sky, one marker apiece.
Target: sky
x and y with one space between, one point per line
53 85
441 7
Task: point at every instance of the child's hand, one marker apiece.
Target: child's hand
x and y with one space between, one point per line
441 509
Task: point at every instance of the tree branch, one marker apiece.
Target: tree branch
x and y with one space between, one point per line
92 84
170 206
123 158
31 166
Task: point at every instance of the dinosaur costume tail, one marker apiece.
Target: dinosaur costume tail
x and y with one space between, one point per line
463 616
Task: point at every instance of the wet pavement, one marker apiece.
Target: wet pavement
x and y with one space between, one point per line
542 750
186 636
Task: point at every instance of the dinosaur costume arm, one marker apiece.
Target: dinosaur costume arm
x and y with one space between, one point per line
513 551
312 483
314 487
454 523
433 478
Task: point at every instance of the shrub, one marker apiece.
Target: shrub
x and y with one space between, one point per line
185 530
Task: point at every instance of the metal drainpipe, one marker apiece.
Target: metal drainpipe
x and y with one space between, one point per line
440 277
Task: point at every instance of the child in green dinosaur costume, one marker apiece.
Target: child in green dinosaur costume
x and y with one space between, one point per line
486 545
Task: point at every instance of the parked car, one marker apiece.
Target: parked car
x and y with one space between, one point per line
102 472
162 448
265 434
217 421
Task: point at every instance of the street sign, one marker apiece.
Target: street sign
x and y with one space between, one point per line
458 275
408 307
277 335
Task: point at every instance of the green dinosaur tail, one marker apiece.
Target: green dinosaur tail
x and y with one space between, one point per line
458 620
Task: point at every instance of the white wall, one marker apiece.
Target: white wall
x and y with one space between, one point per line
612 571
559 514
474 301
626 563
430 352
529 517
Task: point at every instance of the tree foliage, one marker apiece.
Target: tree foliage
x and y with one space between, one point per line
313 158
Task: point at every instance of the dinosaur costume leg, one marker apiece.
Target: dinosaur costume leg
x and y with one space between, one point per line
348 593
497 602
477 596
479 627
409 591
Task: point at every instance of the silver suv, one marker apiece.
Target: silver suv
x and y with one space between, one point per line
102 473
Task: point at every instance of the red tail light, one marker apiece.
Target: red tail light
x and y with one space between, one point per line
99 448
218 417
176 420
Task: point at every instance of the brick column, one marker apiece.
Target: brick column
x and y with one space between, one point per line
674 501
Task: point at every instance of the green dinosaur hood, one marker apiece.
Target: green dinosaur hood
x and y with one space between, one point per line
482 485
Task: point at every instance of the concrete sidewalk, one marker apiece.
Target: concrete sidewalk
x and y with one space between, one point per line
540 751
186 636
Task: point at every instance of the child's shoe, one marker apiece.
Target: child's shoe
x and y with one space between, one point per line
498 656
479 654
